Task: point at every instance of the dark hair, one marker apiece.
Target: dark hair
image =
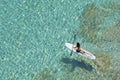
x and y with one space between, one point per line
78 45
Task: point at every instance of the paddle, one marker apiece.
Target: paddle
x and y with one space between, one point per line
74 37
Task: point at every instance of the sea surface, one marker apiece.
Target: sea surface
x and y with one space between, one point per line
33 34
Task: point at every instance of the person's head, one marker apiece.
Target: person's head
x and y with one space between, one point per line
78 44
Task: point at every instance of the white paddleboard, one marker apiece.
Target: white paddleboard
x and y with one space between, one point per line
86 54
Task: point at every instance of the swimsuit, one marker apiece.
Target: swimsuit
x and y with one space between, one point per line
78 50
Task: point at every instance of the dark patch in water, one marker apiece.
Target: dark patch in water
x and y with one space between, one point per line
76 63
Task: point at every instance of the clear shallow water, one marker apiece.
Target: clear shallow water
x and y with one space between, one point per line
32 38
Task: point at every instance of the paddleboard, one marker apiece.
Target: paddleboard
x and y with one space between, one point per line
86 54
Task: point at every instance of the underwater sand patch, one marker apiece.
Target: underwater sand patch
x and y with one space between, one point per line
111 5
111 34
92 16
115 74
102 62
46 74
90 19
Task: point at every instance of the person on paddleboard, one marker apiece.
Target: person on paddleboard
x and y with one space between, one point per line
77 48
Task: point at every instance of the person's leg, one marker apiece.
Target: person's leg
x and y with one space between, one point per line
81 51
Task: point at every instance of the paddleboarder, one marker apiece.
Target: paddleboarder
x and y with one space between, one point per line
77 48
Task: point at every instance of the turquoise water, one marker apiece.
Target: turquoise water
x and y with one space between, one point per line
33 36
